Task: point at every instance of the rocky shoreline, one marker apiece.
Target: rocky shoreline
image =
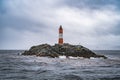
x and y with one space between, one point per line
46 50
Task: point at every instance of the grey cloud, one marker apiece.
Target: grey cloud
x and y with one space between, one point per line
39 23
116 30
93 4
20 23
2 7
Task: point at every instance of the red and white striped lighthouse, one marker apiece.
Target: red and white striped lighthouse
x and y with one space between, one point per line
60 41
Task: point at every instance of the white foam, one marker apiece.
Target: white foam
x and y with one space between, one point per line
76 57
62 57
96 58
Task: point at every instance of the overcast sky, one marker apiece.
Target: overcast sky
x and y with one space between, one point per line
94 24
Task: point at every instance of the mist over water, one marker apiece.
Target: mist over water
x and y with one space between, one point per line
18 67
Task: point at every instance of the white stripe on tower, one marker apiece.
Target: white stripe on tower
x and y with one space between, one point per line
60 35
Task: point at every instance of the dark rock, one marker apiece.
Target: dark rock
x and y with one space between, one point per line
57 50
49 55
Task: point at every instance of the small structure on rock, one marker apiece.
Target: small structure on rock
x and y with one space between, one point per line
60 41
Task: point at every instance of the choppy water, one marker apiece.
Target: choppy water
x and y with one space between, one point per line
17 67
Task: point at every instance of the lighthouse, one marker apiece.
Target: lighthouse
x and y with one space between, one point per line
60 41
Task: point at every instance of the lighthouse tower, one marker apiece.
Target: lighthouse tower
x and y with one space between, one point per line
60 41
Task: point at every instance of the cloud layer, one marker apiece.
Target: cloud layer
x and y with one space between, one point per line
94 24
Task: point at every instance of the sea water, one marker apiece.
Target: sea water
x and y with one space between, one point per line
14 66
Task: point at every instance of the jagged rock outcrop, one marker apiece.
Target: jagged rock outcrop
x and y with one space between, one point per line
58 50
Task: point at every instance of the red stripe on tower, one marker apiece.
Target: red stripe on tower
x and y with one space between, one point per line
60 41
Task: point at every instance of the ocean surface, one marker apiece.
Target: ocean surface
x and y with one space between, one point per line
14 66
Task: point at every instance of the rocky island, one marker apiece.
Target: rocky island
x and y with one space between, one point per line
61 49
46 50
